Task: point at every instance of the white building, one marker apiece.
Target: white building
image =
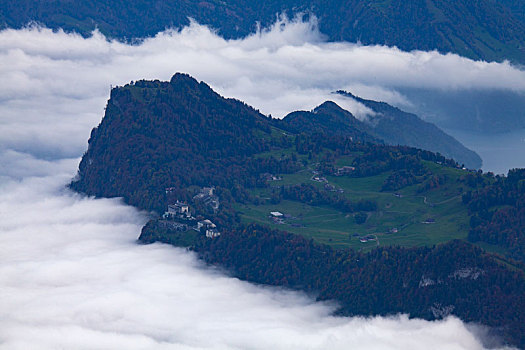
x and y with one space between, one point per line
178 208
207 224
344 170
212 233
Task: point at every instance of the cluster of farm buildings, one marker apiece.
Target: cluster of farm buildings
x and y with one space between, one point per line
180 217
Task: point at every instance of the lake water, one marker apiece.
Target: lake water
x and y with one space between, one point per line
499 152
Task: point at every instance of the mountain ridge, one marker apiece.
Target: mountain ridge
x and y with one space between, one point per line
416 132
329 117
389 124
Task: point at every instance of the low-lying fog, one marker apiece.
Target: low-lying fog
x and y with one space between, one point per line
73 277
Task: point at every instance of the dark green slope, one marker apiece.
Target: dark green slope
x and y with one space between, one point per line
486 29
390 124
162 134
477 29
329 118
517 7
455 278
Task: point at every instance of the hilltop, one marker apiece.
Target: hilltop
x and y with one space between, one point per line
329 118
165 134
386 124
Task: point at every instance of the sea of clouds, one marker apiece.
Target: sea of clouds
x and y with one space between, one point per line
71 273
73 277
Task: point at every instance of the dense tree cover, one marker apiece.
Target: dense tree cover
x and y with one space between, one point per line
488 29
329 118
498 212
315 143
360 218
160 231
176 134
380 159
376 158
399 179
455 278
433 182
516 6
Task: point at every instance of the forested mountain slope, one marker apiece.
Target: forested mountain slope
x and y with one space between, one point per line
498 212
172 134
329 118
386 123
483 29
163 143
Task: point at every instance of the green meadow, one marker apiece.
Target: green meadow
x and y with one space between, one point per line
407 217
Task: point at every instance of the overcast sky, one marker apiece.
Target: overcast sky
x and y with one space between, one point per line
71 273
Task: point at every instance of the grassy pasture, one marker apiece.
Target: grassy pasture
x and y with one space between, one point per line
407 211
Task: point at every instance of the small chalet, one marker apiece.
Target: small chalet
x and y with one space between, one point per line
270 177
344 170
212 233
170 190
319 178
367 238
276 214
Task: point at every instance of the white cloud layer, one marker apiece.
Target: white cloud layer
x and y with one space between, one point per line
71 273
64 80
73 277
